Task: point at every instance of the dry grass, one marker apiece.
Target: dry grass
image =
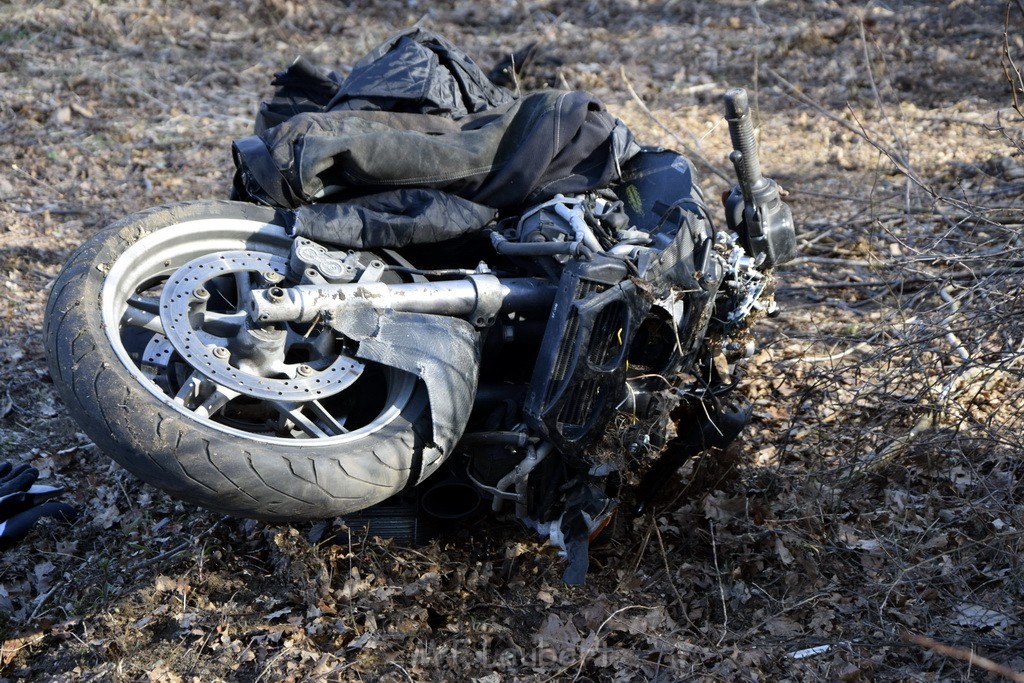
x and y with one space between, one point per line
878 492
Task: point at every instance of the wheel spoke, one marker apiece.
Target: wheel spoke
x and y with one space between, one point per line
137 316
156 359
217 399
335 425
149 304
202 396
293 412
190 390
243 289
223 324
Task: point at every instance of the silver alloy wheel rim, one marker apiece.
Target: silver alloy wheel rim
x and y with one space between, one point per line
154 259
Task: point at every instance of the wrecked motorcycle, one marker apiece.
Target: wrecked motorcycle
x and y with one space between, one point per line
227 354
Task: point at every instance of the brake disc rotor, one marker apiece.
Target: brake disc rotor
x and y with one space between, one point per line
183 304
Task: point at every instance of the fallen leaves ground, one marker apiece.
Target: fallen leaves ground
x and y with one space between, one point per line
877 493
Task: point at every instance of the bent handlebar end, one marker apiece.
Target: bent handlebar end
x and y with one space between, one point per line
754 208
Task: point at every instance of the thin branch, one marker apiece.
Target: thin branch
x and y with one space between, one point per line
693 153
178 549
1016 84
668 571
860 131
874 87
586 653
968 656
721 588
901 283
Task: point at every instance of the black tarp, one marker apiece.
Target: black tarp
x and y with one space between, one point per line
416 145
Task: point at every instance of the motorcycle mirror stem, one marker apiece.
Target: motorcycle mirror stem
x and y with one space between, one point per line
754 209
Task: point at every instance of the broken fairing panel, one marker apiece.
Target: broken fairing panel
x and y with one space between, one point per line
587 511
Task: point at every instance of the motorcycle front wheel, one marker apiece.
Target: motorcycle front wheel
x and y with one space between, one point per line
151 349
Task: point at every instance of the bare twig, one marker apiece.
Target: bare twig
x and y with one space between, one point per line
898 284
924 424
402 669
586 653
796 605
668 571
1010 70
721 588
41 600
693 153
874 88
139 90
964 655
830 261
643 549
179 548
832 358
862 132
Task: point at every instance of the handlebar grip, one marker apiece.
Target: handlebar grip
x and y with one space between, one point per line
754 208
741 131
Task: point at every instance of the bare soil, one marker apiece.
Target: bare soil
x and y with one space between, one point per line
868 524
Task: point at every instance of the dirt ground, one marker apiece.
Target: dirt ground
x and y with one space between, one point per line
867 525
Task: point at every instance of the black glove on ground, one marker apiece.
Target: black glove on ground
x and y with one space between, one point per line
23 502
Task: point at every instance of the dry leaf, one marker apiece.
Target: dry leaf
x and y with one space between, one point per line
982 618
557 633
783 627
783 552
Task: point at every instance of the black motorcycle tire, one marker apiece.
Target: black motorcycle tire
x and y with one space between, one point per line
221 468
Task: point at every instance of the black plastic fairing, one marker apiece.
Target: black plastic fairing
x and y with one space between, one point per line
579 377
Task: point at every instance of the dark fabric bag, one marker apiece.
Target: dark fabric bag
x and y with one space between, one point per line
303 87
391 219
441 131
420 72
415 71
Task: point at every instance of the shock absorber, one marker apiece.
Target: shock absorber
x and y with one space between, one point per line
754 208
